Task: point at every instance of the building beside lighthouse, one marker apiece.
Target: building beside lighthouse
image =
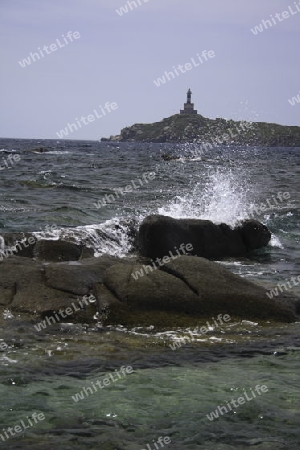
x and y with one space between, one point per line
188 106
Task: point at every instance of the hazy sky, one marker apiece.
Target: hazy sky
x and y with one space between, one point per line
117 58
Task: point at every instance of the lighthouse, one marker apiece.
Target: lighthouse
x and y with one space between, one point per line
188 106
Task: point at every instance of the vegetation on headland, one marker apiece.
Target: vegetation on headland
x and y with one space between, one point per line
199 129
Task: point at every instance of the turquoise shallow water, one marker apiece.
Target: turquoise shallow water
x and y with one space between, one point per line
170 392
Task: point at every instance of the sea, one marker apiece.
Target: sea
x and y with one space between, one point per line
76 190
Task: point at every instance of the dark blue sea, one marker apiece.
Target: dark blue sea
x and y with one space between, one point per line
70 191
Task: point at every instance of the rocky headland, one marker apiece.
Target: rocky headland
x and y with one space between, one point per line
198 129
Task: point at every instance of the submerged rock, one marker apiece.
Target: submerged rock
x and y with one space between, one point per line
40 150
169 157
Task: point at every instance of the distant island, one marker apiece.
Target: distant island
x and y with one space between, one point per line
190 127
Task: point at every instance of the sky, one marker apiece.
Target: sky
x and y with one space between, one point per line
113 59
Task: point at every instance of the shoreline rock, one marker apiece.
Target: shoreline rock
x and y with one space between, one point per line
158 235
186 290
28 246
50 276
192 286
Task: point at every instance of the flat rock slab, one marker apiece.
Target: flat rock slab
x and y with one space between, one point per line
33 287
25 288
130 292
190 285
28 246
80 278
28 291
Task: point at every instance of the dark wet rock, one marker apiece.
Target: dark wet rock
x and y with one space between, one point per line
40 150
190 286
77 279
7 292
158 235
73 279
69 247
32 287
27 245
169 157
104 262
19 244
86 252
254 234
60 251
184 290
28 291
